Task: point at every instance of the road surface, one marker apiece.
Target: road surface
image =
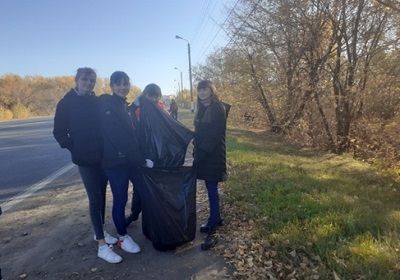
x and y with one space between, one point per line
45 232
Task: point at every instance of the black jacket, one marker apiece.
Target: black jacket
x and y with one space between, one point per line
77 128
120 148
209 143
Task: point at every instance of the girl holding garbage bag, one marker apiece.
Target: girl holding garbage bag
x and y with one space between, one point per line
120 151
210 153
76 129
151 93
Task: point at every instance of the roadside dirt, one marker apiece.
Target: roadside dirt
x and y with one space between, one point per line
49 236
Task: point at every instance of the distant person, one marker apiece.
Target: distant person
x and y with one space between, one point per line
121 152
210 153
76 128
173 109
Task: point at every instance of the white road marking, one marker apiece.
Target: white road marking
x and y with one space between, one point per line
19 198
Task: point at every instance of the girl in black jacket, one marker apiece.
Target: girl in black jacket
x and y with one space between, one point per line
210 152
76 128
121 152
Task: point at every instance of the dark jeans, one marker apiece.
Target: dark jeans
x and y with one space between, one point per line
95 182
137 182
174 114
213 198
119 181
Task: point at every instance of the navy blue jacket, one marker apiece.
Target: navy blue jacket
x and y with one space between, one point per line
77 128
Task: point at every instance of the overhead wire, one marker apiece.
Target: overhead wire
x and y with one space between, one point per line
202 18
220 27
210 32
245 20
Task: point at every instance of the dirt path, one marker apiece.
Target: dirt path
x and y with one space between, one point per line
49 236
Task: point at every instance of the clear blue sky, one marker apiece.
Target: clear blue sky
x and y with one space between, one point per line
55 37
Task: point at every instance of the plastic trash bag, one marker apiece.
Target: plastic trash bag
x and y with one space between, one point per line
162 139
227 108
169 206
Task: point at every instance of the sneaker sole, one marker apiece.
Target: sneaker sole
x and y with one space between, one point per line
109 260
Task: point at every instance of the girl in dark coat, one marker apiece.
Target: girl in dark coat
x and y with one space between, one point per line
210 152
76 129
121 152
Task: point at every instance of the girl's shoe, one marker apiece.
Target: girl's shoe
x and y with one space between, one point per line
210 240
108 255
108 238
127 244
204 228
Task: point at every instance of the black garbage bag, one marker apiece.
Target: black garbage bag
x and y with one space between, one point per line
162 139
169 206
227 108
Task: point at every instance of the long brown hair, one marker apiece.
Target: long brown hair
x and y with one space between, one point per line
214 97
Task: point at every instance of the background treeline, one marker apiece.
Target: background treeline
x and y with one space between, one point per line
31 96
324 73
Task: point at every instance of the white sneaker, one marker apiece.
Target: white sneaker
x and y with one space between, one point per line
108 238
108 255
127 244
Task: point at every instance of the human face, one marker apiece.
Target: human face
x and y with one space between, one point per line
121 89
204 93
86 83
153 99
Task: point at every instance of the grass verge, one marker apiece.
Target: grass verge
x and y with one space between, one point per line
292 213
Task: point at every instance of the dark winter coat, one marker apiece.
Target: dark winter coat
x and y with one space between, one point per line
120 148
77 128
209 143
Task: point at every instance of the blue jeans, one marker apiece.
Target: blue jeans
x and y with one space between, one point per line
119 181
213 198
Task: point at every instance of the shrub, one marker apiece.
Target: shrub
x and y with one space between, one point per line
5 114
19 111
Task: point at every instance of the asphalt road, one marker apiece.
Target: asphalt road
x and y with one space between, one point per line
28 154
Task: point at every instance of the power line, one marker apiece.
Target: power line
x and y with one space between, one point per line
220 27
203 13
